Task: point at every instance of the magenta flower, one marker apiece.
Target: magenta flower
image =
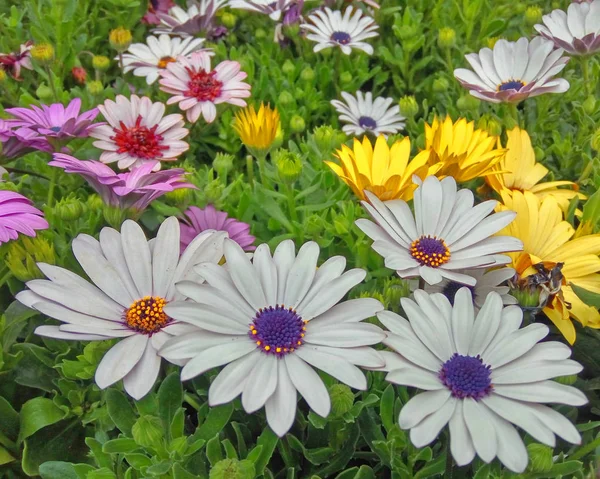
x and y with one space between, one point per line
56 121
156 7
135 189
18 215
197 220
12 63
18 141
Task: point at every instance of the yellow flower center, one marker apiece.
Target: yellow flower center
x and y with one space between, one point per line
146 315
164 61
430 251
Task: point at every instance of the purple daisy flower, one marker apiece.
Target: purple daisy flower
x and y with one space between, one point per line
198 220
56 121
135 189
18 215
18 141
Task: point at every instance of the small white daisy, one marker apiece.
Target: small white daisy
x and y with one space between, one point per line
147 59
480 373
446 234
273 8
331 29
365 115
487 281
138 132
514 71
133 281
577 31
270 320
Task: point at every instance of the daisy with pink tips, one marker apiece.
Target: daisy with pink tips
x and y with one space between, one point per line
18 215
138 132
198 88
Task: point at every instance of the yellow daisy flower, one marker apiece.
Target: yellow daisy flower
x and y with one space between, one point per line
459 150
553 260
521 172
386 172
257 130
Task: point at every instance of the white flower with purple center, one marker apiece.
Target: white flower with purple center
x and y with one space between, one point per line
269 321
330 29
365 115
480 373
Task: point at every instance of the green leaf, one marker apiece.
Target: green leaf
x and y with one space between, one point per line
560 469
180 473
213 451
120 410
5 456
9 419
148 431
170 397
103 473
120 445
58 470
588 297
137 460
386 408
159 469
340 460
15 316
267 442
178 423
102 458
36 414
434 468
217 419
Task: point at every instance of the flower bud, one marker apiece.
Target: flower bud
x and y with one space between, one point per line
308 74
533 15
468 103
346 78
297 124
540 457
42 53
393 290
213 191
589 105
441 85
115 216
342 399
446 38
233 469
79 75
180 196
408 106
259 34
527 298
69 209
491 41
323 136
489 124
95 87
120 39
288 67
94 202
223 163
289 166
228 19
23 255
285 98
44 93
566 380
101 63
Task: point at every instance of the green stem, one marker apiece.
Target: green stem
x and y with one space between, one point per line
291 200
51 82
514 112
191 401
449 62
53 178
250 169
5 278
585 70
26 172
262 166
449 464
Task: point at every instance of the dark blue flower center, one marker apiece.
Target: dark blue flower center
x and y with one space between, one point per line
452 288
466 377
55 129
367 123
341 37
430 251
277 330
511 85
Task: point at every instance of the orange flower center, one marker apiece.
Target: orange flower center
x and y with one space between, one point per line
146 315
164 61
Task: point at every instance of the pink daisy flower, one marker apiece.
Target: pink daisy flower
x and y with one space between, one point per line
18 215
155 8
197 220
134 189
13 62
198 88
139 133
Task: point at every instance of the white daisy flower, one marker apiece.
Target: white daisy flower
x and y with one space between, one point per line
487 281
365 115
133 281
514 71
269 320
577 31
268 7
138 132
331 29
479 374
147 59
198 18
446 234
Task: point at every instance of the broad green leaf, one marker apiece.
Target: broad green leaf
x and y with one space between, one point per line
9 419
386 408
37 413
5 456
120 445
217 419
137 460
120 410
170 397
102 458
148 431
267 442
58 470
213 450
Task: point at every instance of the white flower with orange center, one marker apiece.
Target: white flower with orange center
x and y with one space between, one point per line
446 234
133 280
147 59
269 321
138 132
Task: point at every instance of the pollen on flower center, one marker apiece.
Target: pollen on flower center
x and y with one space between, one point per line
139 141
341 37
203 85
146 315
277 330
511 85
430 251
466 377
164 61
367 123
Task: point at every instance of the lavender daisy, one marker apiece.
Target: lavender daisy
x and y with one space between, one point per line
18 215
17 141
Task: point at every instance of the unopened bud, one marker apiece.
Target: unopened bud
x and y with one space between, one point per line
468 103
408 106
289 166
213 191
120 39
44 93
595 142
69 209
23 255
101 63
228 19
490 124
342 399
297 124
95 87
540 457
441 85
223 163
42 53
288 67
285 98
79 75
259 34
308 74
589 105
346 78
446 38
533 15
233 469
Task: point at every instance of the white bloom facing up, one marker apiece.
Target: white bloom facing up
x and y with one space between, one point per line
446 234
147 59
487 281
577 31
133 281
138 132
480 373
270 320
365 115
514 71
273 8
330 29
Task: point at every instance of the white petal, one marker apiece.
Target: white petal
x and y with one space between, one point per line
120 360
215 356
415 377
334 366
139 381
511 450
421 406
308 383
461 444
231 380
261 383
429 428
165 256
137 256
243 276
481 429
301 274
462 320
281 406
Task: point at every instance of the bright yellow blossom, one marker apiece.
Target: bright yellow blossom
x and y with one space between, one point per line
384 171
521 172
460 150
548 242
257 130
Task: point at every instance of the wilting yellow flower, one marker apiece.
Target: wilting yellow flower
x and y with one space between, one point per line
385 172
257 130
460 150
552 260
42 52
521 172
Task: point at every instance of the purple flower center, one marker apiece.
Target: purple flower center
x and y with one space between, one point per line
466 377
511 85
430 251
277 330
55 129
367 123
452 288
341 37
